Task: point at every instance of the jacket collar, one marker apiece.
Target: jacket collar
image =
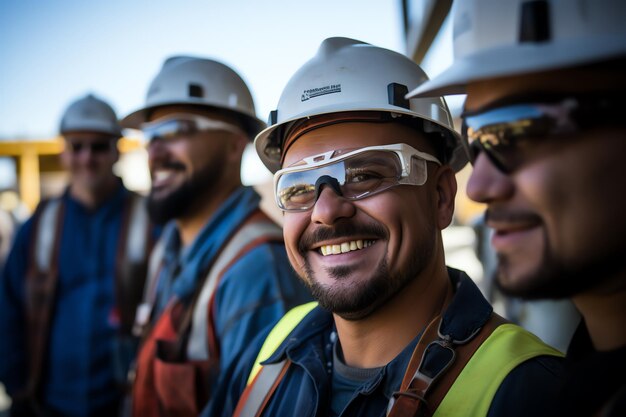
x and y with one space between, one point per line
467 312
197 258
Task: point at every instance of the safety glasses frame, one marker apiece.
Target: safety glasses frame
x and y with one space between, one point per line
404 152
201 124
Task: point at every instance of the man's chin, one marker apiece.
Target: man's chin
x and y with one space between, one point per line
552 279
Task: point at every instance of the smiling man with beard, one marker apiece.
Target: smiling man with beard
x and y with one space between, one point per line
366 180
220 273
544 127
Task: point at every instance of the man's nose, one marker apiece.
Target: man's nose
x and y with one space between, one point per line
330 205
487 183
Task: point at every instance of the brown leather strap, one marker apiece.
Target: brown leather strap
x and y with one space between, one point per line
257 394
130 275
421 397
410 399
463 355
185 322
41 288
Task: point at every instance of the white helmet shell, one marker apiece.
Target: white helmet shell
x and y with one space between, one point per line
202 82
497 38
349 75
90 114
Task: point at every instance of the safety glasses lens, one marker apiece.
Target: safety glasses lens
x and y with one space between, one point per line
168 129
358 176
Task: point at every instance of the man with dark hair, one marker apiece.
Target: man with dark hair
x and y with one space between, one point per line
544 128
366 181
220 275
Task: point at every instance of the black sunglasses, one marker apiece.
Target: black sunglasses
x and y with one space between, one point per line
95 147
507 130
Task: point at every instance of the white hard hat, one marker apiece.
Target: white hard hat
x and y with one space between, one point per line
90 114
496 38
203 82
348 75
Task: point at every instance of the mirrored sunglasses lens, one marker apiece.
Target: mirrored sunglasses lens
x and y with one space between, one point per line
501 133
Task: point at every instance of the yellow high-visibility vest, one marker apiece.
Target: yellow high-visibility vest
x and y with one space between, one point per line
471 394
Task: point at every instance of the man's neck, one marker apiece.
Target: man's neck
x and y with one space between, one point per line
604 312
379 338
93 198
191 224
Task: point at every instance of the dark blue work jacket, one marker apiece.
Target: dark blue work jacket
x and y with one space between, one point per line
78 376
306 389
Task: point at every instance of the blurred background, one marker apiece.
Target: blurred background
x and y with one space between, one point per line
53 52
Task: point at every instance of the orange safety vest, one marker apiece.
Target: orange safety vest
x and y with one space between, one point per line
180 354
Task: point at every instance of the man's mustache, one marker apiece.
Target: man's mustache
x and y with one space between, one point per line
510 216
341 230
173 165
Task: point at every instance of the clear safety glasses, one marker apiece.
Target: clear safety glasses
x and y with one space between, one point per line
183 125
353 174
508 133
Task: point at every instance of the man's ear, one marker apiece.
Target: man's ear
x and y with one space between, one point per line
116 149
237 144
65 157
446 187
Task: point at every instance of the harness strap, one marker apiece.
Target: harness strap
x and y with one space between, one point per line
196 326
253 401
508 346
480 363
41 283
47 234
131 260
250 235
144 309
43 274
426 383
264 379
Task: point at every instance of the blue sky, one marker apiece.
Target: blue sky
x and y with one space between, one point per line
54 51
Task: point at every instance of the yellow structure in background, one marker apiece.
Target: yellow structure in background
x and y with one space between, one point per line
36 156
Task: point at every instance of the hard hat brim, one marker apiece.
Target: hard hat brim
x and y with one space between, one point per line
523 59
262 139
251 124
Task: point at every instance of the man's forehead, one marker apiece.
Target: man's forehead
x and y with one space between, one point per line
350 135
568 81
87 136
164 111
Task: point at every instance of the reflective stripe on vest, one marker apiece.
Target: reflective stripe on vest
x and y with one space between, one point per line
144 309
46 234
259 389
137 234
135 241
507 347
279 333
197 346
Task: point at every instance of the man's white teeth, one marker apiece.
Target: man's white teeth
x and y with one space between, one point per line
161 175
345 247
